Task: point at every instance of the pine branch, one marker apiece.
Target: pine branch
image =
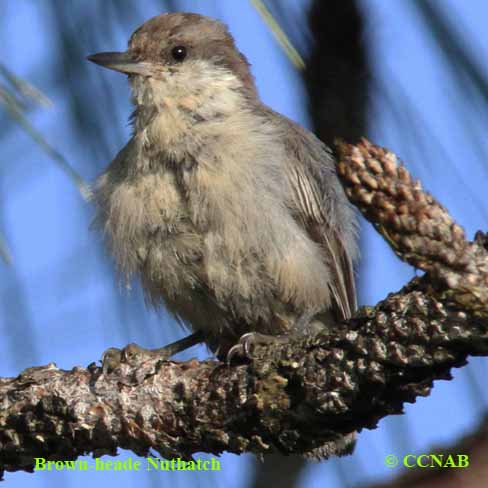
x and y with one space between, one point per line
291 397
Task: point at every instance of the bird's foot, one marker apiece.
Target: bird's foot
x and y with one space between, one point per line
133 354
247 343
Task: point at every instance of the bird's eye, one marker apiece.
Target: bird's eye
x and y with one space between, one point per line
179 53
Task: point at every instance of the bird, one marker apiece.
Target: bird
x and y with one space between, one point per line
230 214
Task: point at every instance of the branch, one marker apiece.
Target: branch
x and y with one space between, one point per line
292 397
417 227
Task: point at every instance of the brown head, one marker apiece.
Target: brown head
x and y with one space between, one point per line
184 50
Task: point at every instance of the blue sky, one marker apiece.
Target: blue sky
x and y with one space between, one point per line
60 300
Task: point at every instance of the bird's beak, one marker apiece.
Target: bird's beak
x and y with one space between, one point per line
120 61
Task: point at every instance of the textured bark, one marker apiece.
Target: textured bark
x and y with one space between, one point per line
291 397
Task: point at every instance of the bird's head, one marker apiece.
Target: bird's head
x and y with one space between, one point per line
181 56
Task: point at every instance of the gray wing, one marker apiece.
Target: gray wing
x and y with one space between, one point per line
323 210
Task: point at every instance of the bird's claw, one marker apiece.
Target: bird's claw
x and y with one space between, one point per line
242 349
111 360
132 354
247 343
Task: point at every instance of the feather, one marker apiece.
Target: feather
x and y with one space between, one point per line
322 209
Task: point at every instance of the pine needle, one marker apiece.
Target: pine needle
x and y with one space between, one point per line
5 251
15 109
279 34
